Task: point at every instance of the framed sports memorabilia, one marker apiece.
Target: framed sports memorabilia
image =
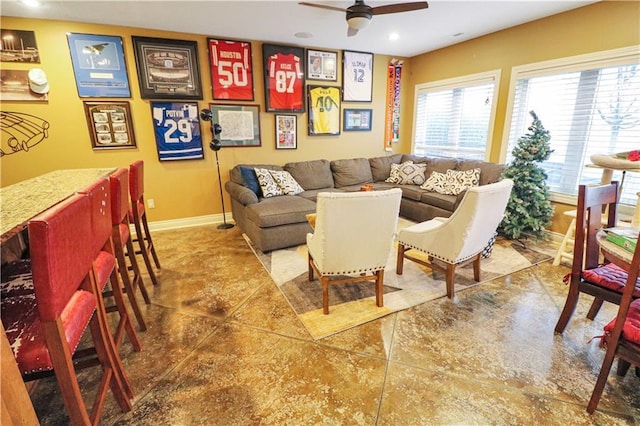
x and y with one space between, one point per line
357 119
19 46
357 76
99 66
321 65
286 131
283 78
177 130
231 69
110 125
167 68
324 110
240 124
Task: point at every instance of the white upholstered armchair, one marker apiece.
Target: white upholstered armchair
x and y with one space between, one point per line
461 237
353 238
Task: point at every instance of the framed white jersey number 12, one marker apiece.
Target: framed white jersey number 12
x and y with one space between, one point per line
177 130
357 76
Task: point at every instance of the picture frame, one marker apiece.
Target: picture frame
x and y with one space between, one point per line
110 124
167 68
284 81
324 110
322 65
240 124
99 65
231 64
357 76
286 131
357 119
177 130
15 87
18 46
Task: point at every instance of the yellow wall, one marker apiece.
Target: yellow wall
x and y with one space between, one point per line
189 188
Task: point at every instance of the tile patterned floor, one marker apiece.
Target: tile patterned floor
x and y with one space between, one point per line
224 347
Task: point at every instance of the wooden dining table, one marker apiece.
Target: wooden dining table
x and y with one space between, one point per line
19 203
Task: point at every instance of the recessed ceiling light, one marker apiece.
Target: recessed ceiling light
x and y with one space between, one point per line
303 35
30 3
394 36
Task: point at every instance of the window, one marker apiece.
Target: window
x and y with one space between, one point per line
591 105
454 118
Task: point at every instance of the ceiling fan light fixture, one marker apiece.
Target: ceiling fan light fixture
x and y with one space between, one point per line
358 21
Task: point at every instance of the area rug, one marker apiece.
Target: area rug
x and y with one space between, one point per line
351 305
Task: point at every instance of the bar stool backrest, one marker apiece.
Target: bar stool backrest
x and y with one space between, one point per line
99 193
119 195
136 181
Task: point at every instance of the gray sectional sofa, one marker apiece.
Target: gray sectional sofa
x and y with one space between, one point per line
280 221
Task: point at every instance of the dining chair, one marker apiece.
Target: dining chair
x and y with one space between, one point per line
138 216
603 282
45 328
460 238
104 262
352 239
123 243
621 335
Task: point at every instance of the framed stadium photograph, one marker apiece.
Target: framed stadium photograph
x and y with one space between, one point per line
322 65
167 69
177 130
286 131
357 76
357 119
231 69
19 46
240 124
99 66
324 110
110 125
283 78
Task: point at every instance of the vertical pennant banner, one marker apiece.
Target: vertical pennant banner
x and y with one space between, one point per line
392 113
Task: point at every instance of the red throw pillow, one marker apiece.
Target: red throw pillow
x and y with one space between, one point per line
631 327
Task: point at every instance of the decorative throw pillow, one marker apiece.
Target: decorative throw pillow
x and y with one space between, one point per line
394 173
250 180
412 174
436 182
286 182
268 185
459 180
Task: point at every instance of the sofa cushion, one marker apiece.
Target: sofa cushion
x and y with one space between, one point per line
411 192
381 166
458 180
411 173
445 202
276 211
437 182
286 182
311 174
236 176
269 186
415 158
250 180
440 165
354 171
489 172
394 174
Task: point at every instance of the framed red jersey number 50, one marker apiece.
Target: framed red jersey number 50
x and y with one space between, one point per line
231 70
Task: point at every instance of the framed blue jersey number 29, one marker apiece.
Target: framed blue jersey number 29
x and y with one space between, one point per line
177 130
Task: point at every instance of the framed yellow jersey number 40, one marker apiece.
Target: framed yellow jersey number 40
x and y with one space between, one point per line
324 110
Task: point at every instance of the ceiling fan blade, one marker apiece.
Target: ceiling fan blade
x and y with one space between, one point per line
322 6
400 7
351 32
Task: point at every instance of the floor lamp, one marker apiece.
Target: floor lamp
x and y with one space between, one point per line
215 145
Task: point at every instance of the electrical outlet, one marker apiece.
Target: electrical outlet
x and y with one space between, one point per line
151 203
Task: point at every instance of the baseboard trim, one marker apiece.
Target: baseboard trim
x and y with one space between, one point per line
210 219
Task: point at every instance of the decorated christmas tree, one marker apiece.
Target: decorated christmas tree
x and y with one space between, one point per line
529 209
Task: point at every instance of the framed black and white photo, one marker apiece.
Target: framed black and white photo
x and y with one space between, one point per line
286 131
324 110
18 46
357 119
357 76
176 127
110 125
99 66
167 69
283 78
322 65
240 124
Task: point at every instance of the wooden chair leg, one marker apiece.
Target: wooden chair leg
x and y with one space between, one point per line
379 288
137 277
400 259
325 294
149 241
595 308
143 251
476 268
310 264
450 274
125 324
623 367
569 307
602 378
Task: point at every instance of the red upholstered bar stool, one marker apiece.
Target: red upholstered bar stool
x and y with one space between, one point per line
104 261
123 244
44 328
138 216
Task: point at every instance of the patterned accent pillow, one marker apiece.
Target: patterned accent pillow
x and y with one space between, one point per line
412 174
286 182
436 182
268 185
394 173
459 180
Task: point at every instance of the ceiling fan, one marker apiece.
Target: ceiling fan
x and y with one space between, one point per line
359 14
